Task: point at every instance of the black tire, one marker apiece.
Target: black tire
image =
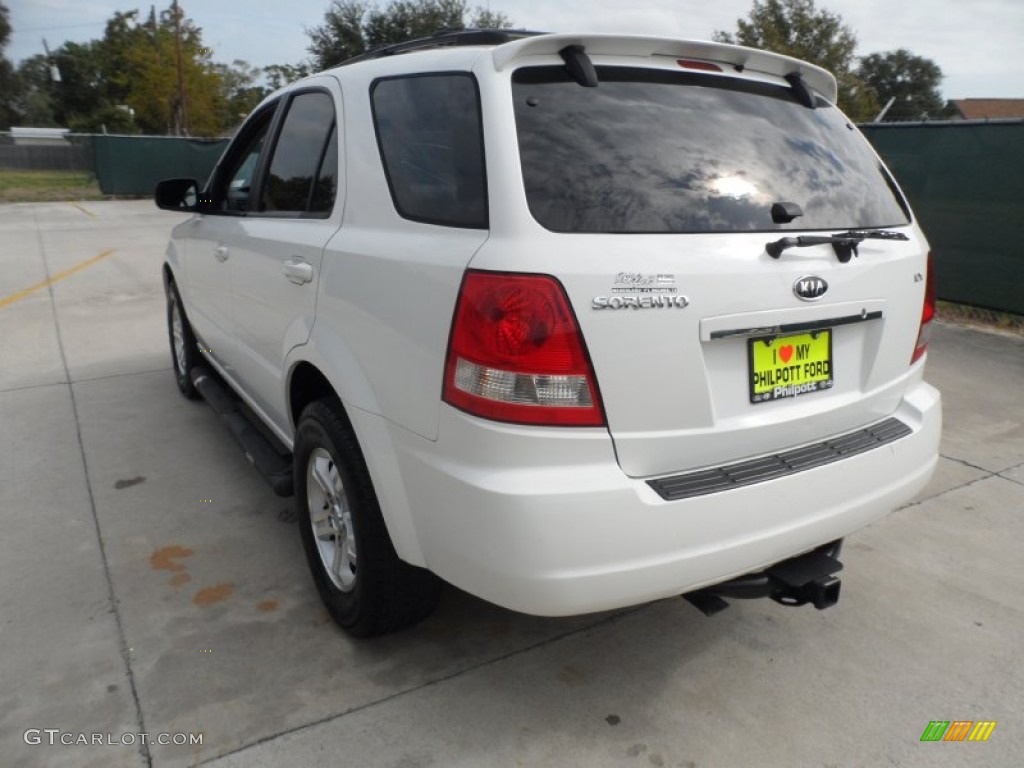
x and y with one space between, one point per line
367 589
182 360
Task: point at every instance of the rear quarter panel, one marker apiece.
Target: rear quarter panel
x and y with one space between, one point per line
387 287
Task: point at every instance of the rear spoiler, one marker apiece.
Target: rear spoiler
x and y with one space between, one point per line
733 56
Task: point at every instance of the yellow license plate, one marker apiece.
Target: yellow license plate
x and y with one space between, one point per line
787 366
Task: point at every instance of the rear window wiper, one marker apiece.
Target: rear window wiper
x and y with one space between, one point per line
844 243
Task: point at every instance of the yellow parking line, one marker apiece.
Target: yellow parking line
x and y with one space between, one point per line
59 276
83 210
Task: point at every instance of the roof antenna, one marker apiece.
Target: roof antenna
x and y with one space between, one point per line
579 65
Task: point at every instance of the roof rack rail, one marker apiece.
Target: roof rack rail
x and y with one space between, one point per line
445 38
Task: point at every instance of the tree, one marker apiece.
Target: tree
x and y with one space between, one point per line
485 18
9 85
68 88
106 118
127 81
352 27
797 28
149 81
81 89
340 37
279 75
912 81
35 97
5 26
239 90
406 20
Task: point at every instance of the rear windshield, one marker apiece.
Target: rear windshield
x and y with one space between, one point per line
657 151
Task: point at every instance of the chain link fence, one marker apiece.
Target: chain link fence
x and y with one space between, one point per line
73 152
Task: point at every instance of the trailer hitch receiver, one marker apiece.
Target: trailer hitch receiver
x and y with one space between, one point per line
807 578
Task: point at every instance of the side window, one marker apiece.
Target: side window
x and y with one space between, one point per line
431 144
234 183
304 165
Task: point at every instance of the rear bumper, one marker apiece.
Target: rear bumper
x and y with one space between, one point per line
545 522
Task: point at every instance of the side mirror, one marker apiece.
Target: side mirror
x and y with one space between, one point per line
180 195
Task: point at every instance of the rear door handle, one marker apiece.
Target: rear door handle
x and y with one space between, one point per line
221 253
298 270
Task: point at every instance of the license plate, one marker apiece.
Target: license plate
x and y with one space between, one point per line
787 366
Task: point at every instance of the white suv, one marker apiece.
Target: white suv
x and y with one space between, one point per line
570 322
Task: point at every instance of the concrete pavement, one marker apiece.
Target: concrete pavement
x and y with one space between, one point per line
150 582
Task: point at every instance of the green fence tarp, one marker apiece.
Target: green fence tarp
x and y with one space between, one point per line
965 182
132 165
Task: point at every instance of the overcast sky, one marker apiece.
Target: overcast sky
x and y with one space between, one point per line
977 43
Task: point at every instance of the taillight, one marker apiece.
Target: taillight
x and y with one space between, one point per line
927 314
704 66
516 353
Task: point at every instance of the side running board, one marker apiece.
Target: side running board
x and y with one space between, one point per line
269 461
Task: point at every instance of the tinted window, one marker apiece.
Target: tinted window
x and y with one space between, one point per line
657 151
299 155
431 144
234 184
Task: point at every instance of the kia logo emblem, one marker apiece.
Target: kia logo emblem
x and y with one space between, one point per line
810 287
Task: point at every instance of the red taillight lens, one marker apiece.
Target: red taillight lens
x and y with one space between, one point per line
704 66
927 314
516 353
